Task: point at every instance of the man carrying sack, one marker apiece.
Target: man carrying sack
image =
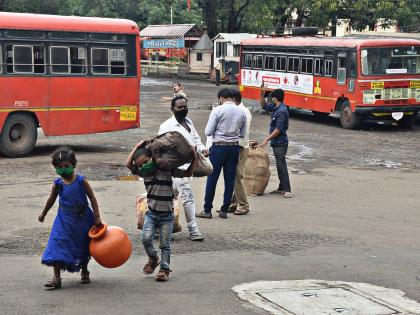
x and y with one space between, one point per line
240 204
179 122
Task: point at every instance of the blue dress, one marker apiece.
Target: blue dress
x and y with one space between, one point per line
68 244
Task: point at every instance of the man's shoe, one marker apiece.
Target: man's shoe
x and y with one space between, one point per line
204 215
277 192
230 210
195 234
223 215
241 211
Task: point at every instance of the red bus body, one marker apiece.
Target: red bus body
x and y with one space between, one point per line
69 103
391 92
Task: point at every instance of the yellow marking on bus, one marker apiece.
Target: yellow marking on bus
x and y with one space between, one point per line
377 85
415 84
56 109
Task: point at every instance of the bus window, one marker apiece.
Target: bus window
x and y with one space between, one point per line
293 65
353 64
247 61
100 61
258 62
108 37
78 60
328 68
60 59
269 63
318 67
1 59
281 64
117 57
22 59
307 65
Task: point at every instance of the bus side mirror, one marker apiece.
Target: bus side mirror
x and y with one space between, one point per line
351 85
341 76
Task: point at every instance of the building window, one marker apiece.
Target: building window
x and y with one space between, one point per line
247 61
328 68
258 62
281 63
25 59
236 50
318 67
293 64
199 56
307 65
108 61
221 49
269 63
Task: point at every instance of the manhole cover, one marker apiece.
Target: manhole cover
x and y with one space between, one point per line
317 297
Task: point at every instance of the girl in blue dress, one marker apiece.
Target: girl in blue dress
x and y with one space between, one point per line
68 245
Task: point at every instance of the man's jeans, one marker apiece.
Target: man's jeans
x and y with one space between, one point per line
182 188
165 224
225 157
280 152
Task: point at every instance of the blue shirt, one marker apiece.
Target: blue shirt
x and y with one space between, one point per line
280 121
227 123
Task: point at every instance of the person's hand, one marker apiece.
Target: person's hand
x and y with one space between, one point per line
98 221
205 152
41 217
263 144
263 88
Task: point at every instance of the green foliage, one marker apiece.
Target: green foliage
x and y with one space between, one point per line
257 16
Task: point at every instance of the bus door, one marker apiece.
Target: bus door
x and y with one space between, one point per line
346 73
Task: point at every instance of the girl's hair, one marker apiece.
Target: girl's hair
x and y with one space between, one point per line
62 154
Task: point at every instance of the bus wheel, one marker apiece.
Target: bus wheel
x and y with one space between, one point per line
18 136
348 119
407 122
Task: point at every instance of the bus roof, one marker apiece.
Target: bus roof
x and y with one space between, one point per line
348 42
27 21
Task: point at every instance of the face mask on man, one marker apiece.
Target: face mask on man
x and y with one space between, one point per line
180 115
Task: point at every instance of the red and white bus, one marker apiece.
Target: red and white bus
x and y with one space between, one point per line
358 78
68 75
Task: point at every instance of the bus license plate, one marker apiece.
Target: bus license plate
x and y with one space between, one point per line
128 113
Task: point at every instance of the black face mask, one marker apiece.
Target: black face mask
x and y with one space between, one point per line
180 115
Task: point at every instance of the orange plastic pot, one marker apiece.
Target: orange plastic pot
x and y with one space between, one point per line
109 245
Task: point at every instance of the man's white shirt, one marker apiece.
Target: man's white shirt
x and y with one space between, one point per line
192 137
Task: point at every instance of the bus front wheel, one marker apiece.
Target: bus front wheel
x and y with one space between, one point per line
348 119
19 135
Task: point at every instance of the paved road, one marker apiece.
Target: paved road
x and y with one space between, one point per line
354 218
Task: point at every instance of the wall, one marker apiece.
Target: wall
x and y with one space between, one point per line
200 66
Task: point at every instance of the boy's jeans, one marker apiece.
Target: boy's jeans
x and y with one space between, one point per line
182 188
165 224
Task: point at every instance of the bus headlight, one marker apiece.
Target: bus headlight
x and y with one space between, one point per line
368 97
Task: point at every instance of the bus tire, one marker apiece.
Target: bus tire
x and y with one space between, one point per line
348 119
407 122
19 135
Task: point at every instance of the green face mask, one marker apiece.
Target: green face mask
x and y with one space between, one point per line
64 171
148 168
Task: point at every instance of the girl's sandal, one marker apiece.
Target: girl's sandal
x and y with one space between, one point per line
151 266
85 278
54 283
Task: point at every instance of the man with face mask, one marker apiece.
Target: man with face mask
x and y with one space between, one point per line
226 126
181 123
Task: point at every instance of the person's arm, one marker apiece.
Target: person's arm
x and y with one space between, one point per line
201 148
212 123
281 120
243 128
93 201
129 163
50 202
189 171
263 102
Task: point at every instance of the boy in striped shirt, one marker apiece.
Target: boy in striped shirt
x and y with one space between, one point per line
160 195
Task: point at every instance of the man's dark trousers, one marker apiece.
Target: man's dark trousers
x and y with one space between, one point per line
226 157
280 152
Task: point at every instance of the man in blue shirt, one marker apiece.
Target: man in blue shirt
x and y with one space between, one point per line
278 137
226 126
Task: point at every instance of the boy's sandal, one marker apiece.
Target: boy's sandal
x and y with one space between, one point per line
151 266
288 194
85 278
163 275
54 283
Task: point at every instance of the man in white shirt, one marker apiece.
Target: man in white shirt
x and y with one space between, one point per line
178 90
181 123
240 204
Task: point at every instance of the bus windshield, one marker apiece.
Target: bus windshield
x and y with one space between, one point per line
390 60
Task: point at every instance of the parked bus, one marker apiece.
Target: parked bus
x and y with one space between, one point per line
357 77
68 75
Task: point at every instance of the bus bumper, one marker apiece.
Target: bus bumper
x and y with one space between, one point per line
387 109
